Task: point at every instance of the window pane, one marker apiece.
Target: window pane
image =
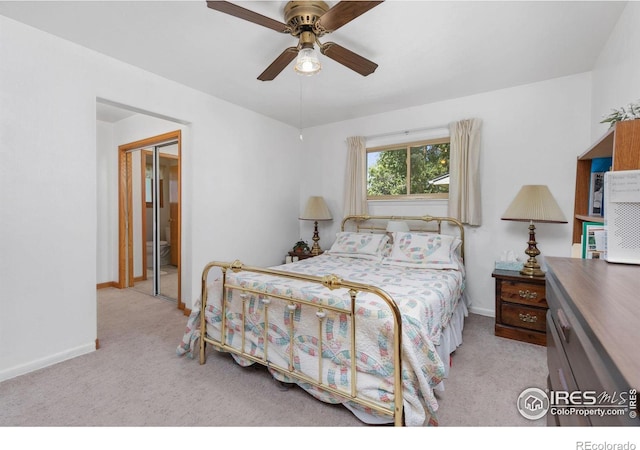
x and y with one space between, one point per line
430 169
387 172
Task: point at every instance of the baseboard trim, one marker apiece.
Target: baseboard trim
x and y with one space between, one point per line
47 361
482 311
108 284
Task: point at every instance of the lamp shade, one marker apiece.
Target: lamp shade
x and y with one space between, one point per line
316 209
397 225
534 203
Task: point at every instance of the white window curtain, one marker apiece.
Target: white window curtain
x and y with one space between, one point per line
355 192
464 162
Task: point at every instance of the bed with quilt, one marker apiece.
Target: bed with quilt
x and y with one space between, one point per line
370 323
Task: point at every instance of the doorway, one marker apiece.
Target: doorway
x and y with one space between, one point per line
150 216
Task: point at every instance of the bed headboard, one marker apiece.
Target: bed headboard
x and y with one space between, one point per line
378 224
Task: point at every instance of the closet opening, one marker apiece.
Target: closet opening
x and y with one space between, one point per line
149 216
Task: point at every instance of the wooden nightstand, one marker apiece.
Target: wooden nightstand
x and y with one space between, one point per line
298 256
521 307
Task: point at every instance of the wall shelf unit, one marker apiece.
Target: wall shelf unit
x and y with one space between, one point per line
621 143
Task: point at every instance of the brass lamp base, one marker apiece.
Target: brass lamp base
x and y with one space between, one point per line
315 248
531 267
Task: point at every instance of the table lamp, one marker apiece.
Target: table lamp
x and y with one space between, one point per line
534 203
316 209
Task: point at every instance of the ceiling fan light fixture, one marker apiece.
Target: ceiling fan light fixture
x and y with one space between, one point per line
307 62
307 20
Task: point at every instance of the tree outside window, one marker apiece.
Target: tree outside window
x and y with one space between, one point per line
419 169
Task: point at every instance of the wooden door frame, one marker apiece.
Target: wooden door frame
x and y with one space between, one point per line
143 161
125 198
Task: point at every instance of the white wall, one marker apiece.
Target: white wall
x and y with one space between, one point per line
616 75
240 196
531 135
107 202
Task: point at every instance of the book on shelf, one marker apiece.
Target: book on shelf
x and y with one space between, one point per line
599 166
594 240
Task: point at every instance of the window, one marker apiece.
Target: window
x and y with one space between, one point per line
415 170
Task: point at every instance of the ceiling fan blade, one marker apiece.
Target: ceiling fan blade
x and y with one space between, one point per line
279 64
343 13
246 14
349 59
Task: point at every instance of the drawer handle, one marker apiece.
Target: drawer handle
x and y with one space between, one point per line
527 294
528 318
565 326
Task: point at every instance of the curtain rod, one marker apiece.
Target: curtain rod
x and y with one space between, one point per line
406 132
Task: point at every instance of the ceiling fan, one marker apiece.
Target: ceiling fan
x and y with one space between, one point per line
308 21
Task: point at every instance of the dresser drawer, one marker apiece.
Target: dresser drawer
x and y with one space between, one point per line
571 340
523 293
560 376
524 317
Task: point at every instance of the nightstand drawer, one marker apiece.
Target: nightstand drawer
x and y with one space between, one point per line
521 307
523 293
523 317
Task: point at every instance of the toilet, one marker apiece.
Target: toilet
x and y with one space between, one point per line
165 250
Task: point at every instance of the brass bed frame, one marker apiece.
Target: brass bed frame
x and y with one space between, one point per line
362 223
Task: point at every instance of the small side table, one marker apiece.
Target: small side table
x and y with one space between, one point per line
299 256
521 307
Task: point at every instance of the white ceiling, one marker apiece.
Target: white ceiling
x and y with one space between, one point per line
427 51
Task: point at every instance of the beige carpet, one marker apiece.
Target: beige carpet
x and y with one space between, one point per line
136 379
168 282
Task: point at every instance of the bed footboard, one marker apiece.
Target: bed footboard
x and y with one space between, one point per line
293 304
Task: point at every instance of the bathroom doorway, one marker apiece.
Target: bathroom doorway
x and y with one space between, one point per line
150 216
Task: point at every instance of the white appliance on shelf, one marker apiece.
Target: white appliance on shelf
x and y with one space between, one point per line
622 216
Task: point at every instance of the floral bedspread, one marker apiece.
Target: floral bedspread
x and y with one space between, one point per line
426 299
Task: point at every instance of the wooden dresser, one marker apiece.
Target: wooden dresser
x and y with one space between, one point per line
593 334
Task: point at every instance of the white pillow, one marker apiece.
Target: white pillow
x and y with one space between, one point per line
359 245
423 250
